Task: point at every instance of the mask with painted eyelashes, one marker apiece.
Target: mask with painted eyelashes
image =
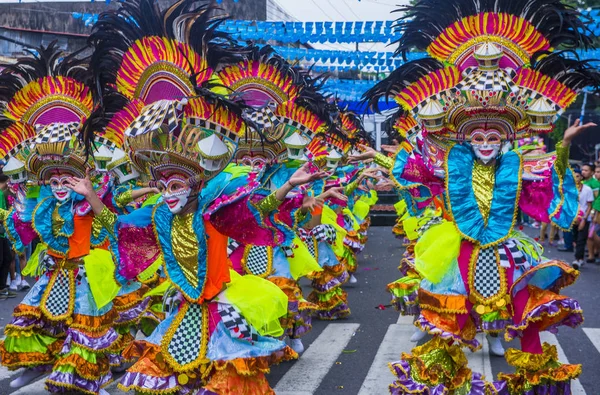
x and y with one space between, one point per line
59 189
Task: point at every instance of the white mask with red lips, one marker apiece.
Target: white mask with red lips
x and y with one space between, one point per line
486 144
176 193
61 192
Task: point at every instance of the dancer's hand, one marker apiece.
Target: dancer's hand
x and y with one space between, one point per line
82 186
575 130
368 153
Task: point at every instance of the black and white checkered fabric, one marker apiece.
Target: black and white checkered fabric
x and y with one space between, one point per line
56 132
324 233
57 302
427 225
236 324
518 257
153 116
186 343
232 246
487 277
493 80
257 260
297 125
263 118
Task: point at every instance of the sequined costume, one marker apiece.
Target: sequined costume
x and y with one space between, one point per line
217 337
64 324
265 81
479 274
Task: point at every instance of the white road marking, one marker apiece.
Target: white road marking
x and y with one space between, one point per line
576 387
308 372
395 342
594 335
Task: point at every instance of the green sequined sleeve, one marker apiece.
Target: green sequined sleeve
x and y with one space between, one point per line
124 198
562 158
269 204
107 218
4 214
384 161
350 188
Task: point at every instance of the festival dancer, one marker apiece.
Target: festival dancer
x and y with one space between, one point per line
493 87
64 324
265 81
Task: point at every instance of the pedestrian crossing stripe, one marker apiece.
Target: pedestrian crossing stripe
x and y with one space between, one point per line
306 375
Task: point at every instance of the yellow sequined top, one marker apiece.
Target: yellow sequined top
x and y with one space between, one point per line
484 177
185 246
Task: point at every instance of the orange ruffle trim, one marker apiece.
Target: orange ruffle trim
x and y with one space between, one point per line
536 369
453 304
16 360
229 382
88 323
288 286
252 366
85 369
538 297
26 310
447 322
128 301
329 273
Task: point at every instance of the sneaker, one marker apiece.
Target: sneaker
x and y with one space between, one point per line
353 279
578 263
24 285
496 345
26 377
14 285
417 335
7 294
296 345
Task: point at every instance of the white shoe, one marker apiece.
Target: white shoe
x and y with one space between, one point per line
496 345
353 279
102 391
25 378
417 335
14 286
577 264
24 285
296 345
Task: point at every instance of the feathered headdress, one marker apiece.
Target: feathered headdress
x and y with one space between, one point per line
163 61
46 101
492 63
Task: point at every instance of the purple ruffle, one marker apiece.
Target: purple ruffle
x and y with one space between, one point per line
331 284
75 380
53 329
302 321
133 314
94 343
406 384
340 311
551 388
407 305
137 380
551 308
428 327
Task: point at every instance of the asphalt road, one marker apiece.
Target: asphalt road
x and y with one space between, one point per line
350 356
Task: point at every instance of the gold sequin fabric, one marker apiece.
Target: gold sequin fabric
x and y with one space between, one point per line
269 204
484 177
107 218
384 161
124 198
185 247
